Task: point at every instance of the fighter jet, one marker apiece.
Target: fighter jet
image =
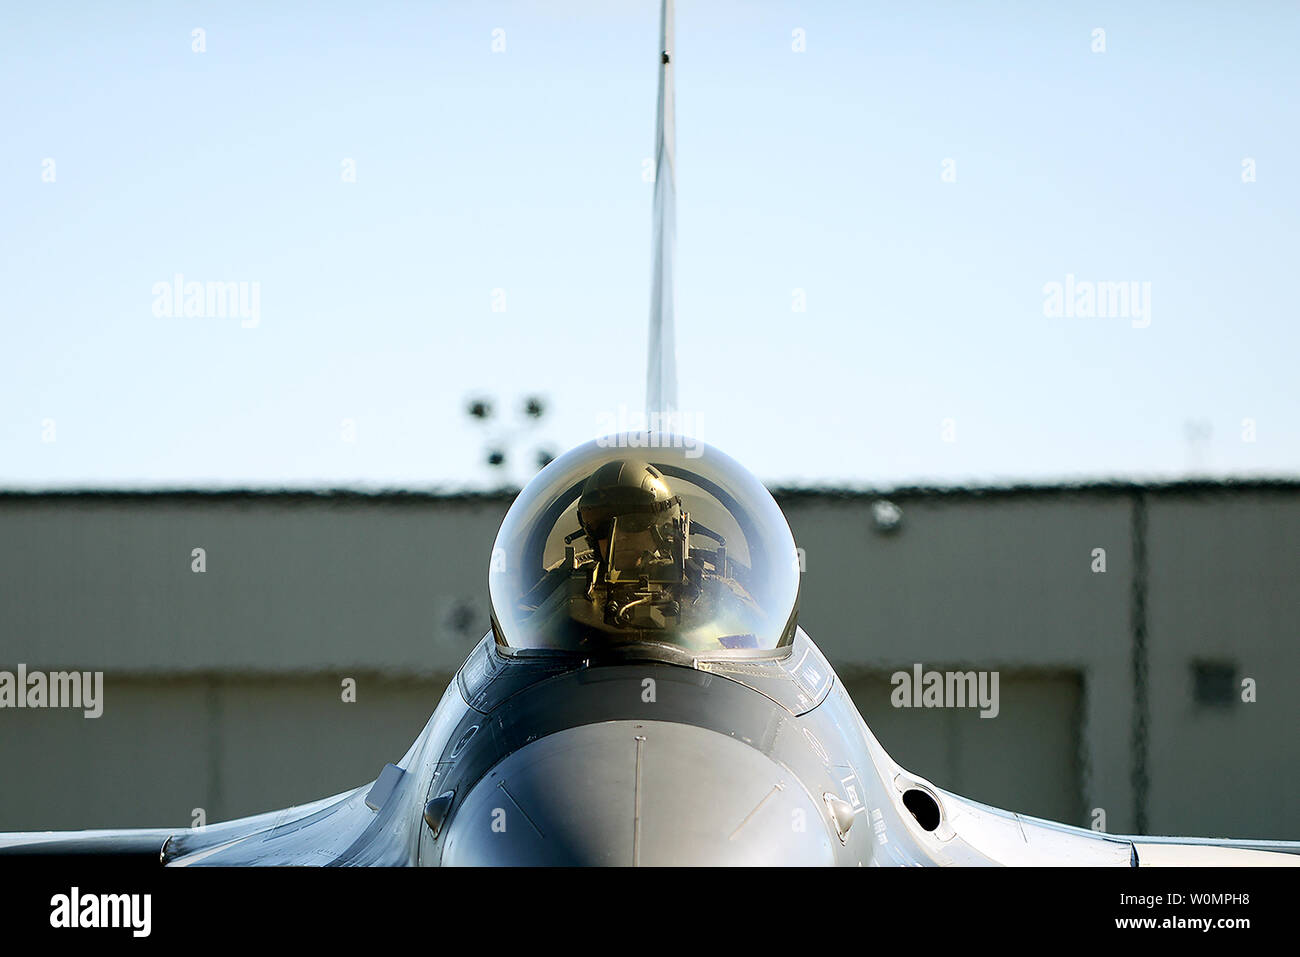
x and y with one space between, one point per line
646 696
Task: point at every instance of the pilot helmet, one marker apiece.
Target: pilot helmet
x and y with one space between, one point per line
629 491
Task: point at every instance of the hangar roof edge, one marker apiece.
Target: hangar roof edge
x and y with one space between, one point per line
784 493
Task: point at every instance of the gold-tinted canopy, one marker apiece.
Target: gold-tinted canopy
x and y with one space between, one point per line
644 541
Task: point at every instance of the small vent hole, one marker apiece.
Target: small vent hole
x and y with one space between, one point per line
923 807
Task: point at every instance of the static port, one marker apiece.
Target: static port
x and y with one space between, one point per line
923 807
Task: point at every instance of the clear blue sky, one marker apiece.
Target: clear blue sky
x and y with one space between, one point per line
522 171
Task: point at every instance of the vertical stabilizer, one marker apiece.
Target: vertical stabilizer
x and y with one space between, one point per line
661 371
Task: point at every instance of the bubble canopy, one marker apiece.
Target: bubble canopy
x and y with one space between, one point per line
645 543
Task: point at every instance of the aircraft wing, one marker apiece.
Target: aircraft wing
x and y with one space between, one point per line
931 826
142 843
349 829
1214 852
974 833
376 824
187 845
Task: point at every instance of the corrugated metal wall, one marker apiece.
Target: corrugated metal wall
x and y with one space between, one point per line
1119 690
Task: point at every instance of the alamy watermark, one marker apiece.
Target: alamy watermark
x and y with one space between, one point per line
176 298
133 912
54 689
632 429
946 689
1086 299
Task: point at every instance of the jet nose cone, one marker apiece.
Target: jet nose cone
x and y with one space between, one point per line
638 793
